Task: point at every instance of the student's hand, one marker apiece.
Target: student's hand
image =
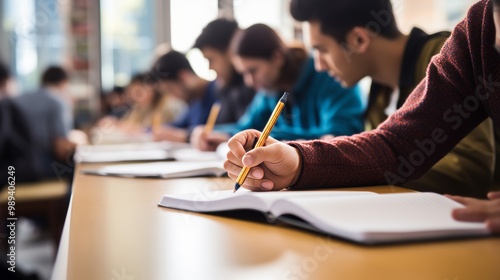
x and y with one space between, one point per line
107 122
327 137
275 166
206 142
477 210
169 133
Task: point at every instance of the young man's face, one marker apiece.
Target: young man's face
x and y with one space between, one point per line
496 18
331 56
220 62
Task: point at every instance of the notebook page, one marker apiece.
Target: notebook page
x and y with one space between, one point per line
194 155
162 169
271 197
163 145
214 201
388 217
117 156
245 199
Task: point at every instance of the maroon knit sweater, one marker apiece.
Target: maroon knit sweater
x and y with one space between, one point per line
461 89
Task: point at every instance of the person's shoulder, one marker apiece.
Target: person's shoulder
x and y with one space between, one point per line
477 14
27 99
474 35
48 99
480 7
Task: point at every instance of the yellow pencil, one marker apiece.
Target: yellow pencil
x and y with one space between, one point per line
263 137
156 122
156 119
212 117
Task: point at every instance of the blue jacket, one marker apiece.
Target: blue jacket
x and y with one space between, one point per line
317 105
198 110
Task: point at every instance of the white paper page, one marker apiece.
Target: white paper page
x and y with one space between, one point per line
214 201
191 154
243 199
162 169
117 137
389 217
270 197
163 145
117 156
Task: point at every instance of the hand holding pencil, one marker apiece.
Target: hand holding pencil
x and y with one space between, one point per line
272 165
204 138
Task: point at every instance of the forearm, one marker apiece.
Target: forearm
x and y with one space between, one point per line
403 148
176 134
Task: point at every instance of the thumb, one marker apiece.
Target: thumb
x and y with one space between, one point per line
494 195
257 156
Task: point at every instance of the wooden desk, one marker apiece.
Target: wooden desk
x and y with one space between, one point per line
117 231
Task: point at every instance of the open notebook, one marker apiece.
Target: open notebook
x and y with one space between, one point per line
180 169
362 217
161 151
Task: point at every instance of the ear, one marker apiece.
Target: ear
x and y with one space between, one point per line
359 40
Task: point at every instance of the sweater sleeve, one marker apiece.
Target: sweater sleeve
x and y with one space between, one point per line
442 110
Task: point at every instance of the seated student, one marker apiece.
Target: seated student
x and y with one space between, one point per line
113 103
458 93
317 104
147 106
5 80
396 63
234 97
232 93
177 78
16 140
50 119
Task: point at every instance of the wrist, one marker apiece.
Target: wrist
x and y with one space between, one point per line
298 168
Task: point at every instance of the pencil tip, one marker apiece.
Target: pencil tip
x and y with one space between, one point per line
236 187
284 97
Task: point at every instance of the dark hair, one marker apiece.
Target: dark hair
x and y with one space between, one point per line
217 34
257 41
260 41
4 73
142 78
496 2
338 17
54 75
169 65
118 90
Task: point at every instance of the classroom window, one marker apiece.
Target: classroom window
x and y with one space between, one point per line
35 35
188 18
127 39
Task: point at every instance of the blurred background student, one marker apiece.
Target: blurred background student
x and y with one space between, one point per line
317 105
177 78
17 145
5 81
50 119
148 106
113 103
233 95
